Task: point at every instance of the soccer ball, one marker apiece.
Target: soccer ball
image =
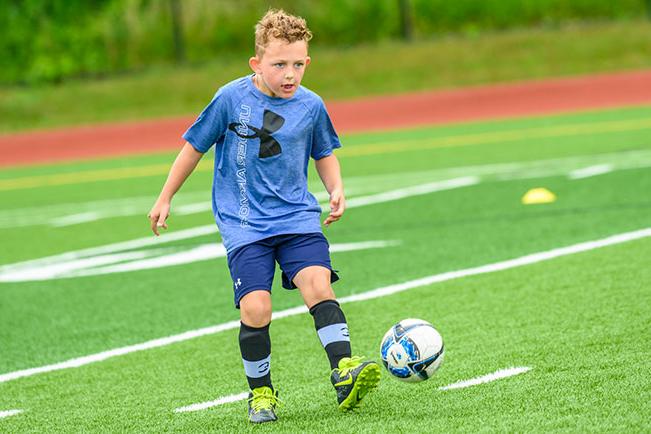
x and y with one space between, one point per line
412 350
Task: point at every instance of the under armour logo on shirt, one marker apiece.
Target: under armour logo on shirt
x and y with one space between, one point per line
269 146
238 283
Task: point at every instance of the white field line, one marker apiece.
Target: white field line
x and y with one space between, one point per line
204 405
135 209
209 229
587 172
75 219
501 172
49 214
67 268
415 190
91 216
193 208
502 373
115 247
376 293
202 252
7 413
143 260
194 202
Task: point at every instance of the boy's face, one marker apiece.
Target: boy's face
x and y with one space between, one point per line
280 69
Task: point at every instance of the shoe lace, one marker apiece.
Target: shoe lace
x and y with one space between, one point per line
263 399
349 363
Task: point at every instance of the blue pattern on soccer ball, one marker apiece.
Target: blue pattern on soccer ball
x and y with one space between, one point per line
400 372
407 344
384 351
410 348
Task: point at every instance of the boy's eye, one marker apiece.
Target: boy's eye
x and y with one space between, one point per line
298 65
279 65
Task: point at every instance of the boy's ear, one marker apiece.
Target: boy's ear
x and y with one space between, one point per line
254 63
308 60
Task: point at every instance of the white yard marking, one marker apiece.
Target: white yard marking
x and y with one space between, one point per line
502 373
125 210
76 219
415 190
587 172
7 413
377 293
202 252
110 248
66 268
22 271
349 247
196 202
193 208
68 214
57 214
138 260
499 266
204 405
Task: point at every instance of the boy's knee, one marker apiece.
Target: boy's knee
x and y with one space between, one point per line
317 280
322 291
315 285
255 309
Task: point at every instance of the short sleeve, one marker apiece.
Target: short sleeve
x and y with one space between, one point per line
324 136
211 124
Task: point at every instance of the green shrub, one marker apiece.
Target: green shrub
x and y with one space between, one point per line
49 40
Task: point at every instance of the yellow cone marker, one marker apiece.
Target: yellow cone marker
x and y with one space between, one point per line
538 195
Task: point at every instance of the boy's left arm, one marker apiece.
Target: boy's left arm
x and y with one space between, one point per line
330 173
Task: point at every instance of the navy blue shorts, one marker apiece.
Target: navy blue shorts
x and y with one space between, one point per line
252 266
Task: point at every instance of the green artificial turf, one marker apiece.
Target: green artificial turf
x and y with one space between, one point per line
581 322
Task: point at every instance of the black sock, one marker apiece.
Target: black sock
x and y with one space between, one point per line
255 346
332 329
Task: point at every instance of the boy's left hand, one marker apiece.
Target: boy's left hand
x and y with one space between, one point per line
337 206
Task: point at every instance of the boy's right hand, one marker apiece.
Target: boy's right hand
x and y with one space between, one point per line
158 215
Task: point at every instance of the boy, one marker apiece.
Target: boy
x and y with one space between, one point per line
265 127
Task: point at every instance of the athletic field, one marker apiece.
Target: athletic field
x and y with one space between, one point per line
106 328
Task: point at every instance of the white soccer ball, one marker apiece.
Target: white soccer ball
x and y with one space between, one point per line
412 350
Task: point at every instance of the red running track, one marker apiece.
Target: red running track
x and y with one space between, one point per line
374 113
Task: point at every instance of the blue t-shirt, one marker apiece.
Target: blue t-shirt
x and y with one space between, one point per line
262 149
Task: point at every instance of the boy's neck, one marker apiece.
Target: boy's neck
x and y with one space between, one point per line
261 86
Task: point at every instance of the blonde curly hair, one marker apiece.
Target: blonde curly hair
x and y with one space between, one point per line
278 24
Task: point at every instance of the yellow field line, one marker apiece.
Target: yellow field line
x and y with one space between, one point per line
94 175
496 137
405 145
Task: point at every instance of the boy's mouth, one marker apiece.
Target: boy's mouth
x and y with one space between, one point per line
287 87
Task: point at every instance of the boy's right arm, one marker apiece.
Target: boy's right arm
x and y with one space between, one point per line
183 166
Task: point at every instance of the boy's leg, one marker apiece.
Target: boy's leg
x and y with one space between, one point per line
255 343
255 347
314 284
252 268
305 261
352 377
